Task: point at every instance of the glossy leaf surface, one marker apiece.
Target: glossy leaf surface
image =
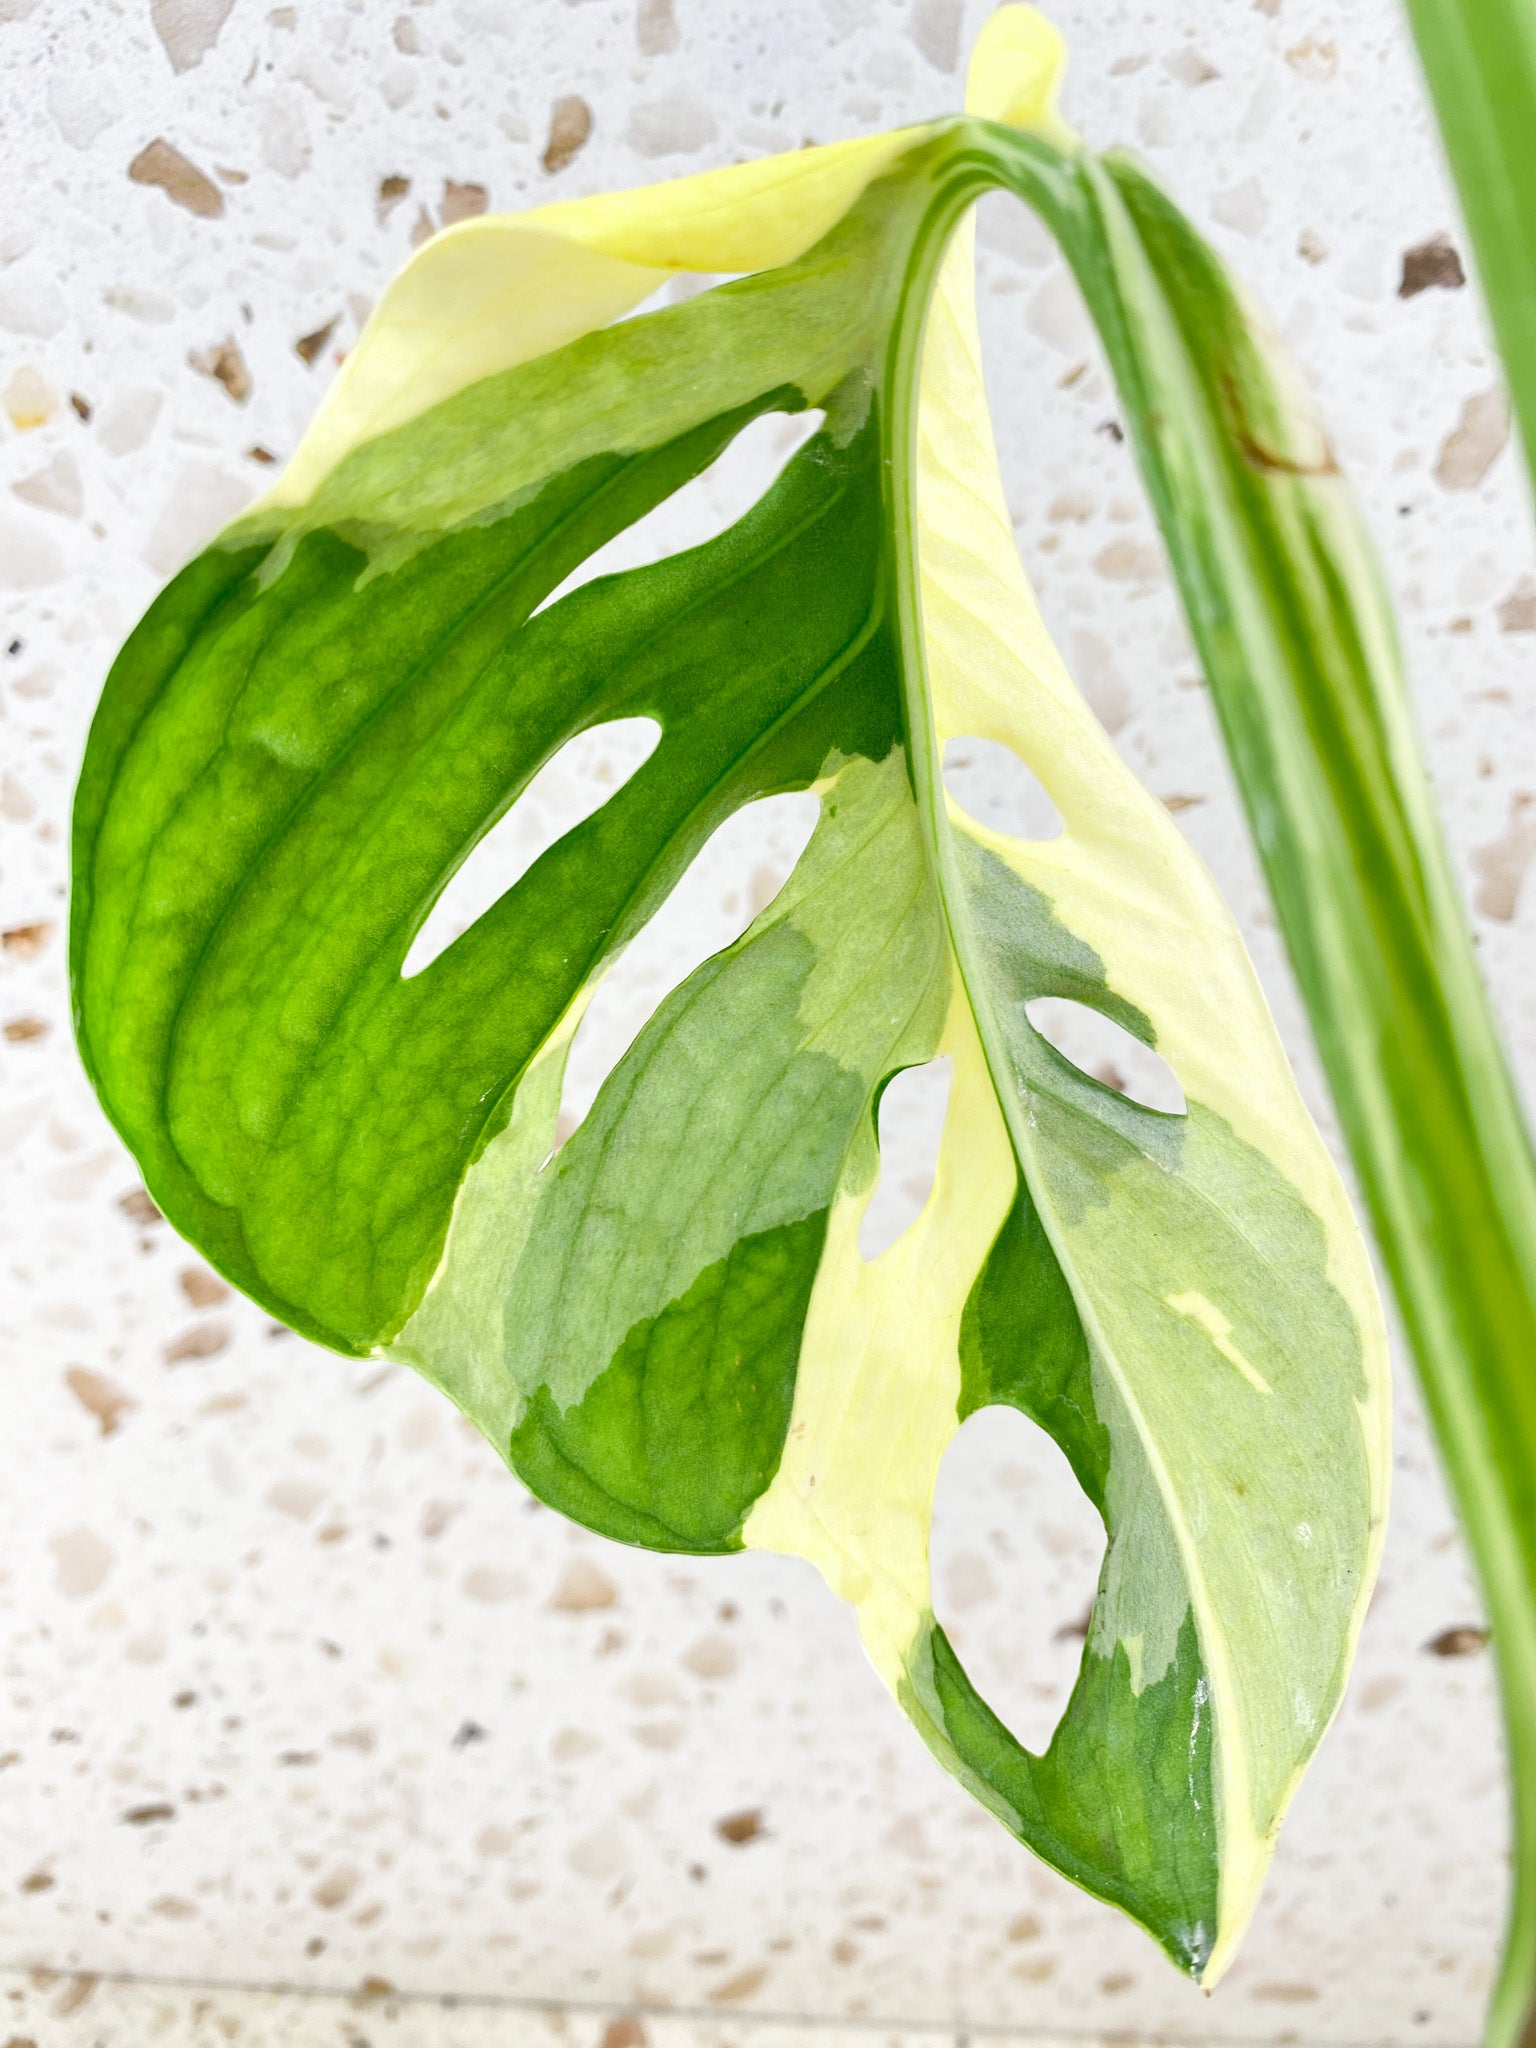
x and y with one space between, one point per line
666 1324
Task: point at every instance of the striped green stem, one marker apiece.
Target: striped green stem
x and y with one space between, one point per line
1300 652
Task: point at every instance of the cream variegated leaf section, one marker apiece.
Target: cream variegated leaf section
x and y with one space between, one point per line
1122 879
666 1324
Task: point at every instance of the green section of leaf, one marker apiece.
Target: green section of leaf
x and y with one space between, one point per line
681 1430
1124 1799
1022 1346
666 1325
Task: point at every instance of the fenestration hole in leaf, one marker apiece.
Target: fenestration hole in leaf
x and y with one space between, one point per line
1016 1552
733 878
1107 1053
911 1125
577 781
992 785
704 507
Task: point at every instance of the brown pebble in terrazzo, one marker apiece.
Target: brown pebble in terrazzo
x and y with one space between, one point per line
584 1587
98 1396
1501 865
1429 266
570 124
624 2032
742 1985
202 1288
656 29
206 1340
1285 1994
711 1657
20 1029
159 164
81 407
1190 68
741 1827
310 346
76 1995
1024 1927
1465 1640
26 941
1517 612
391 191
1318 61
39 1881
145 1816
225 365
1177 803
138 1208
334 1891
1474 444
259 454
462 202
188 29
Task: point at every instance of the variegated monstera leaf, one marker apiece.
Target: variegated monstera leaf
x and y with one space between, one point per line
666 1325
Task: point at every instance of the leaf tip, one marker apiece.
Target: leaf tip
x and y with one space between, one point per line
1016 71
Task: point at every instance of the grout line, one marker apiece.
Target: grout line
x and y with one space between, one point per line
960 2034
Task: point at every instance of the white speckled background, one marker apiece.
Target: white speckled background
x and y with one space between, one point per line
300 1689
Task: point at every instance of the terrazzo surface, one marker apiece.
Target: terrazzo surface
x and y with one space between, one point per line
300 1689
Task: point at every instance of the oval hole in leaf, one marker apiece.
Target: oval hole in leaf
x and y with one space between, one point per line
708 505
992 785
574 783
1106 1052
733 878
1016 1551
912 1107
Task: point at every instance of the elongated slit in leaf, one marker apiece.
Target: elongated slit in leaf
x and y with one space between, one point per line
911 1111
1106 1052
586 773
996 788
732 879
1006 1493
704 507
